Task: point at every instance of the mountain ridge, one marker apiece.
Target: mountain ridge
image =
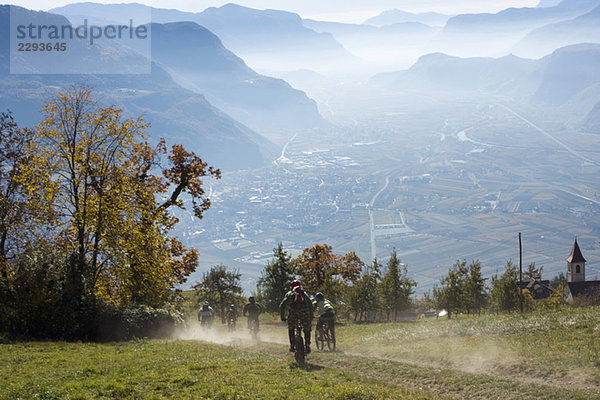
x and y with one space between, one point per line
567 80
496 34
544 40
264 44
174 112
394 16
442 72
200 60
197 59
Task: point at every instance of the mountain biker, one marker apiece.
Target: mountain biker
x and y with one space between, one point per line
253 309
325 311
231 316
300 309
206 314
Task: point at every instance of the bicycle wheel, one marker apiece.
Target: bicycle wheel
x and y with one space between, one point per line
253 329
319 339
299 352
327 339
331 343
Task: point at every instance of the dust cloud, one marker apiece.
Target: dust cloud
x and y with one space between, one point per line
472 356
240 337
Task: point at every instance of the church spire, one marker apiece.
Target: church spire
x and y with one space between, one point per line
575 265
575 256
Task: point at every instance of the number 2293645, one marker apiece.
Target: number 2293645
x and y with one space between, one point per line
41 47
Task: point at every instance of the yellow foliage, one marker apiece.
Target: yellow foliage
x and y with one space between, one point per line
95 169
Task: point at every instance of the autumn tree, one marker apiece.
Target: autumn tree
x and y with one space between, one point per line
150 262
219 286
323 271
106 198
16 218
19 230
274 281
555 300
396 288
11 201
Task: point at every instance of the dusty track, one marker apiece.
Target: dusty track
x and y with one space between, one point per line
443 380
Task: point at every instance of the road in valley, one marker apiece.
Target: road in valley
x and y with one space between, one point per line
549 136
282 157
372 219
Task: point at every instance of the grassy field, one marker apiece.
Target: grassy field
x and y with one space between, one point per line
175 370
562 347
552 355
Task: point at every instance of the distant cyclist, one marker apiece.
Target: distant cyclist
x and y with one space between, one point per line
231 316
325 311
206 315
253 309
300 310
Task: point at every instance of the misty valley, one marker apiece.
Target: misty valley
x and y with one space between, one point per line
435 180
422 133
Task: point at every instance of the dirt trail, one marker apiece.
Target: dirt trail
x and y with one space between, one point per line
441 378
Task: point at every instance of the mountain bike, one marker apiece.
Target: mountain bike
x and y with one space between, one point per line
326 334
253 326
231 324
206 322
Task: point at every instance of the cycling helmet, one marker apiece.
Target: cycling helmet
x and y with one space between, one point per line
251 299
232 306
206 303
319 296
295 283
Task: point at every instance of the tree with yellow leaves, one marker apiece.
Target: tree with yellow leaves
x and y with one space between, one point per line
323 271
12 198
104 190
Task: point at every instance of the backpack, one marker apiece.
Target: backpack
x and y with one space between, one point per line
298 296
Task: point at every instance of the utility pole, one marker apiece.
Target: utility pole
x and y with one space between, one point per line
520 273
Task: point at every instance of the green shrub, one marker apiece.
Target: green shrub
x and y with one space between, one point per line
114 324
45 298
50 297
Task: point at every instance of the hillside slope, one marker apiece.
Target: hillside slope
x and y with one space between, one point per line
592 120
177 114
548 355
570 71
197 60
544 40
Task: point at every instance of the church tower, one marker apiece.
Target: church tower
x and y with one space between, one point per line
576 265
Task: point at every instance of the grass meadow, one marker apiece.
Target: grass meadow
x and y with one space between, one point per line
541 355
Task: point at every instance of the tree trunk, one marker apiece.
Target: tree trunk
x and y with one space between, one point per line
3 263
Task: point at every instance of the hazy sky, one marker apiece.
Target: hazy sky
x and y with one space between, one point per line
334 10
